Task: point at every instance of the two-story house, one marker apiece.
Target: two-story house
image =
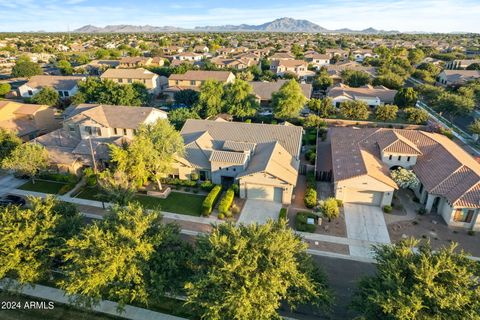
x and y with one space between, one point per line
193 79
88 129
137 62
262 158
361 159
128 76
27 120
297 67
66 86
318 60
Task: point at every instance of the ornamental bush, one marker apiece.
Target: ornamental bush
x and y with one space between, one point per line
226 201
310 198
283 214
207 185
210 200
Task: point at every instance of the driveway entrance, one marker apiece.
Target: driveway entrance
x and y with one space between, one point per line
365 223
259 211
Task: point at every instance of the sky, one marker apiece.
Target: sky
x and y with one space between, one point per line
401 15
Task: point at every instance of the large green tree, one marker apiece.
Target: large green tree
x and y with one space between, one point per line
47 96
322 81
179 116
415 282
416 115
32 237
386 112
210 100
322 107
8 142
355 78
246 271
27 159
24 67
187 97
455 105
239 99
354 109
288 101
106 91
4 89
65 67
406 97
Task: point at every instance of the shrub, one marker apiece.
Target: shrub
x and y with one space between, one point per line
226 201
207 185
221 216
187 189
310 198
283 214
236 189
311 155
195 190
422 211
339 203
228 214
329 208
210 200
194 176
90 176
471 232
59 177
311 181
235 209
387 209
301 222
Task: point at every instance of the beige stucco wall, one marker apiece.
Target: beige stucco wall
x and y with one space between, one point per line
402 162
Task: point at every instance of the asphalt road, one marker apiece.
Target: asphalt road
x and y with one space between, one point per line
343 276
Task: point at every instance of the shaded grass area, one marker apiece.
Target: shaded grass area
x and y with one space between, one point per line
42 186
60 311
177 202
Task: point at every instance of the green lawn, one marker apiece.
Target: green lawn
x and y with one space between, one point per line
177 202
42 186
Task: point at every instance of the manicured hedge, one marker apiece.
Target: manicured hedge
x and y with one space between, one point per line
210 200
58 177
283 214
226 201
310 198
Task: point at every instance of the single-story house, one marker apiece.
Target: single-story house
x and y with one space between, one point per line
128 76
66 86
457 77
361 160
264 90
262 158
372 95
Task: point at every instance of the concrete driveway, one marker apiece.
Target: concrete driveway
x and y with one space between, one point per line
259 211
365 223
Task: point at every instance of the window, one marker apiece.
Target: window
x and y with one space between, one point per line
192 82
116 131
65 94
463 215
226 169
408 159
60 93
234 169
71 128
129 80
30 92
399 158
177 82
390 157
120 80
124 132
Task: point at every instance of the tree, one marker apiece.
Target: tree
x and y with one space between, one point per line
405 178
245 272
390 80
27 159
416 115
474 66
179 116
322 107
210 99
455 105
110 259
149 155
4 89
354 109
65 67
288 101
105 91
431 93
355 78
329 208
186 97
314 121
474 127
322 81
415 55
31 238
386 112
25 68
415 282
47 96
406 97
8 142
239 99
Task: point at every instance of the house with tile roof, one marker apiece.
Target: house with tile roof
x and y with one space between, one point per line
89 128
457 77
297 67
360 161
152 81
27 120
262 158
264 90
372 95
66 86
193 79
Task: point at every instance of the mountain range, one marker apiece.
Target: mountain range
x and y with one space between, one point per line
278 25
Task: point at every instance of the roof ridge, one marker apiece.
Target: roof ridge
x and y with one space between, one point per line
449 176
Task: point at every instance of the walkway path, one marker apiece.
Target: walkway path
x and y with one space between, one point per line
105 306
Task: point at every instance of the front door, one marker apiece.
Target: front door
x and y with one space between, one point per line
227 181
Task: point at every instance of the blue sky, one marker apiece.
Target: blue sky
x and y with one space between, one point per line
402 15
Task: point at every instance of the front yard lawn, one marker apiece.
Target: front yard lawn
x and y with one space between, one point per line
177 202
42 186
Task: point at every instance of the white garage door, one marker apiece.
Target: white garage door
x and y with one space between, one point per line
260 192
373 198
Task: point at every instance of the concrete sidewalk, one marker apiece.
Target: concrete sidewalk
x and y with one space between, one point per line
105 306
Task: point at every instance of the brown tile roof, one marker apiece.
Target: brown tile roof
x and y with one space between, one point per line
57 82
228 157
385 94
442 166
264 90
138 73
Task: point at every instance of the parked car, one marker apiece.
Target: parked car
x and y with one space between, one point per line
12 200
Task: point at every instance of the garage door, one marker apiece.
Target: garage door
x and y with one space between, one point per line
259 192
373 198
